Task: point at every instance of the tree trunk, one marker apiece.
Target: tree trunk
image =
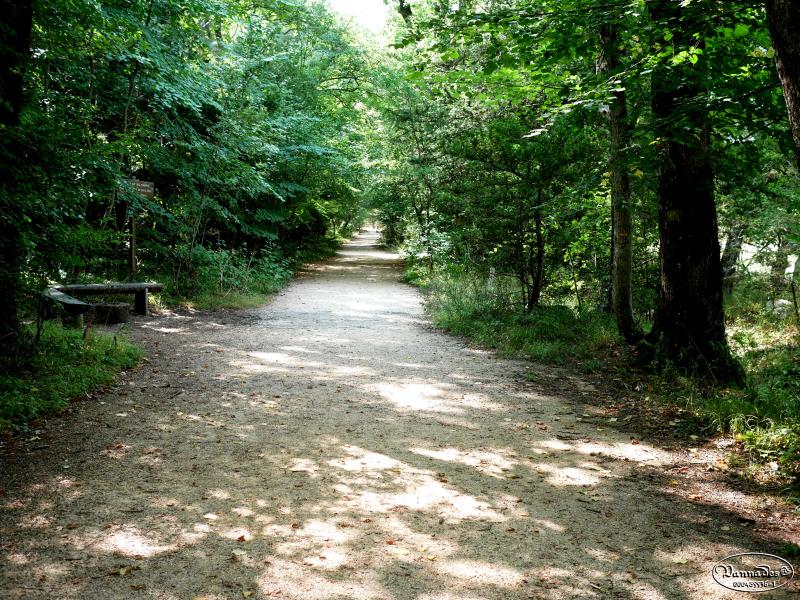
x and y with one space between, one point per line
405 11
783 17
689 331
780 263
730 256
15 33
537 265
621 217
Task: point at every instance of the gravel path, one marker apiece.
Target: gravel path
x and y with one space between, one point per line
332 445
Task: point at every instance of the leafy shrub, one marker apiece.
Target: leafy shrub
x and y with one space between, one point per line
765 414
465 306
227 278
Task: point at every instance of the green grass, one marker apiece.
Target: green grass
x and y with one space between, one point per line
63 367
552 334
216 300
764 415
228 280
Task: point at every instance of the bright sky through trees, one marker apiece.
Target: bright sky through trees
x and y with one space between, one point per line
371 15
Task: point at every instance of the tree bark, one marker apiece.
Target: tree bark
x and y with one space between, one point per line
689 331
780 263
15 34
621 217
537 264
730 256
405 11
783 17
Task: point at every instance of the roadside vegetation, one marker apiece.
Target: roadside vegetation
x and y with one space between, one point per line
67 363
487 314
243 123
613 187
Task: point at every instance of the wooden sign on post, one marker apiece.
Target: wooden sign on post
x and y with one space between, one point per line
148 190
143 188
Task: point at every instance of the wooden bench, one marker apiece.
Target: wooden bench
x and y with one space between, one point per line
74 309
140 290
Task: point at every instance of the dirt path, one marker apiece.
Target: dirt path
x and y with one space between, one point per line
332 445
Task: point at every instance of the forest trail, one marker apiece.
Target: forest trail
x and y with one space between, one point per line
333 445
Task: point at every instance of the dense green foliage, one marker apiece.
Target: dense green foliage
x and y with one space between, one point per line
504 117
243 118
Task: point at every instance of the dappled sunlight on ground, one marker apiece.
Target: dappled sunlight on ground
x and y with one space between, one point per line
486 462
130 542
333 448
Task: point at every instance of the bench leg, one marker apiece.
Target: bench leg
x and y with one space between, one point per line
140 303
75 321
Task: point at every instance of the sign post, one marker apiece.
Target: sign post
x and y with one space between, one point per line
148 190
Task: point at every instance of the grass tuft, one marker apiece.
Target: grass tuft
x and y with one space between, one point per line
549 333
64 366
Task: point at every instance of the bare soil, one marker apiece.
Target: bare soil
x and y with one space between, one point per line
331 444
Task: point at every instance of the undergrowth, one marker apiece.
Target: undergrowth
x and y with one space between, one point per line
554 334
63 366
206 279
764 415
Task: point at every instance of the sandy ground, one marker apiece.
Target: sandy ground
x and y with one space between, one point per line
332 445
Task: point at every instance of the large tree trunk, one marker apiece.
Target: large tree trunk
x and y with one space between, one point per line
689 331
783 17
621 218
730 256
15 32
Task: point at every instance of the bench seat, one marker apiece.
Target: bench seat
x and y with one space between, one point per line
140 291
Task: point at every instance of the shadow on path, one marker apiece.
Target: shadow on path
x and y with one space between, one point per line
331 445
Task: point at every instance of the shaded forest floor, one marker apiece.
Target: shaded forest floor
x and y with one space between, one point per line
333 445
